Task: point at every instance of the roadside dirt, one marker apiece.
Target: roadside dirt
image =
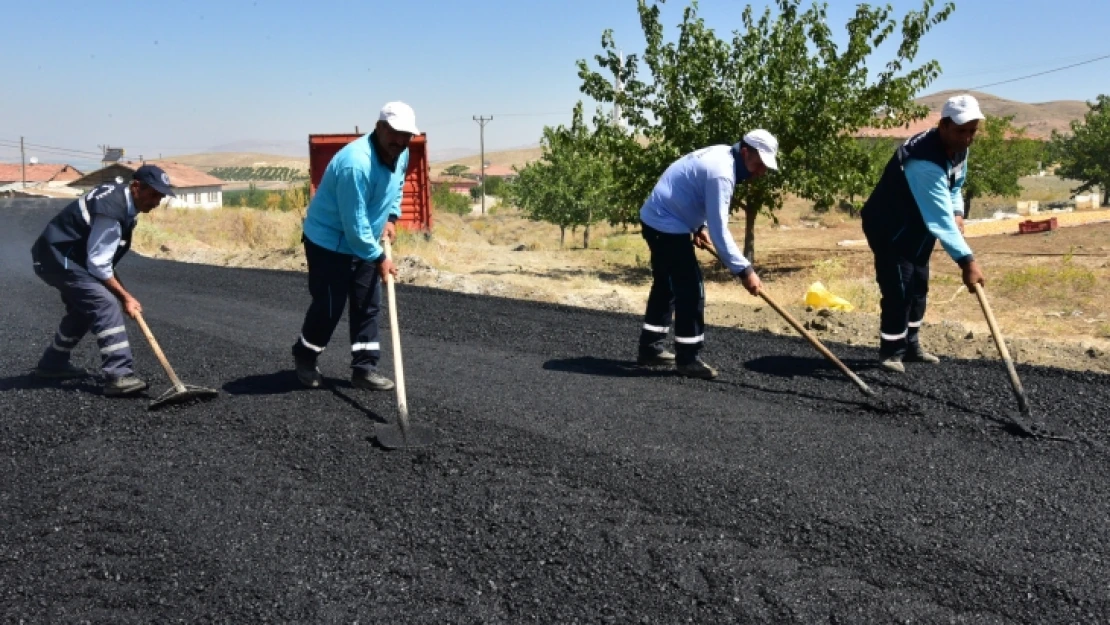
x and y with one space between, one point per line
467 263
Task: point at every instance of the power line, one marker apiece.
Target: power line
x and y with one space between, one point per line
1058 69
1010 67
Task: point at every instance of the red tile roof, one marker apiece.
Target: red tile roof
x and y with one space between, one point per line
39 172
495 170
181 176
903 132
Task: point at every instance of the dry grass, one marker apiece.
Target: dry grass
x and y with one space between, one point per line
1037 288
231 229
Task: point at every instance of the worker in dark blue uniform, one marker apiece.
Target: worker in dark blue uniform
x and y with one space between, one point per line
916 203
357 203
77 254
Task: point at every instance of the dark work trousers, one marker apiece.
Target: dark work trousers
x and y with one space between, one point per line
333 279
89 306
904 285
677 292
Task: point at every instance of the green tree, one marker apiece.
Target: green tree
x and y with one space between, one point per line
782 71
572 181
1000 156
446 200
494 185
1084 155
455 170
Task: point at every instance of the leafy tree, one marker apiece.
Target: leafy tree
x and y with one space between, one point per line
494 185
1000 156
782 71
444 199
455 170
1085 154
572 181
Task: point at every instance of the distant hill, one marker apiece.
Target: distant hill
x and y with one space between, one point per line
283 147
508 158
1038 119
208 161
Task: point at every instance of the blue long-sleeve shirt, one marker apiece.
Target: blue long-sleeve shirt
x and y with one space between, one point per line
357 195
104 239
939 205
696 191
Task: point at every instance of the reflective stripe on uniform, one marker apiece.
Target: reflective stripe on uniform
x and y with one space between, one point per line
659 329
358 347
314 348
110 332
689 340
893 337
114 348
84 210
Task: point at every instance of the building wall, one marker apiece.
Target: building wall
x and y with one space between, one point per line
197 197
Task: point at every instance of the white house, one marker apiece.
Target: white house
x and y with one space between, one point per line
194 188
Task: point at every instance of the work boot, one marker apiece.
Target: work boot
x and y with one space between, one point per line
916 353
892 363
651 358
308 374
697 369
118 386
370 380
69 371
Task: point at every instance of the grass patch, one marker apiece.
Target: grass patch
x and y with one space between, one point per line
1063 280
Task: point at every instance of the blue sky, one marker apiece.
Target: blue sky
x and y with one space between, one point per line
174 77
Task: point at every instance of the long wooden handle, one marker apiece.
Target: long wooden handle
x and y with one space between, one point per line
1015 382
395 331
158 352
817 344
809 337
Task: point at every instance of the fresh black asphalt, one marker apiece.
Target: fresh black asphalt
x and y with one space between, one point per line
566 486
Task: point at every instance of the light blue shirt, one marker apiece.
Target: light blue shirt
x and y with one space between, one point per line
696 191
938 204
104 239
356 197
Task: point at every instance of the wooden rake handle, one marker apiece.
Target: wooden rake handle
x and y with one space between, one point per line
813 340
158 352
1015 382
395 331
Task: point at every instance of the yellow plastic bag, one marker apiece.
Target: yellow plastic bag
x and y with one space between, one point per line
820 297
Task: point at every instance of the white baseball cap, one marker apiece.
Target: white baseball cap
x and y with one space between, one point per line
766 144
962 109
400 117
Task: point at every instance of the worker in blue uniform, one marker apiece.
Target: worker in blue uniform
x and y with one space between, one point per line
77 254
357 203
917 202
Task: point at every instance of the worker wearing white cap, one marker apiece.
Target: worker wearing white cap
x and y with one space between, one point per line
692 198
916 203
356 204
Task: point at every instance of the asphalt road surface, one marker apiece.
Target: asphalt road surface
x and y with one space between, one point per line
566 486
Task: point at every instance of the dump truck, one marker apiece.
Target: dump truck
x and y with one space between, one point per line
416 205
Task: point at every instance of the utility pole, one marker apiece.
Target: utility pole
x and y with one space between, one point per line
23 161
482 121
